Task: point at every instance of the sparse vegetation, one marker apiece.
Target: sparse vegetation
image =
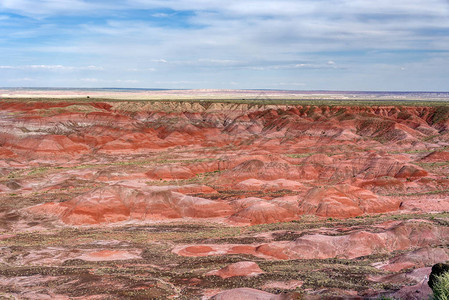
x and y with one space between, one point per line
37 247
441 287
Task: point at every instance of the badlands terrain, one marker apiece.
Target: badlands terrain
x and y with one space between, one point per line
109 198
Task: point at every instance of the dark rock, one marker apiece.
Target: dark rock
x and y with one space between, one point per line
13 185
437 270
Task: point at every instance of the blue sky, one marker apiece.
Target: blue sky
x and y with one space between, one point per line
400 45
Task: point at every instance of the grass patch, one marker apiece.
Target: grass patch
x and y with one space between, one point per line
436 192
314 100
441 287
300 155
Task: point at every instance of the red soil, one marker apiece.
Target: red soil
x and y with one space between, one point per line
122 163
417 259
344 201
437 156
117 203
243 268
245 293
404 235
266 143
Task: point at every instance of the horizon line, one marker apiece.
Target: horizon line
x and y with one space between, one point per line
218 89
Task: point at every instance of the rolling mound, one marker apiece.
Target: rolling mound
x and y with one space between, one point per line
204 199
116 203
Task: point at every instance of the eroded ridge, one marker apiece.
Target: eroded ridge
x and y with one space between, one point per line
158 199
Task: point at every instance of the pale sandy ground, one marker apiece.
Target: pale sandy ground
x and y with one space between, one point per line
84 185
209 94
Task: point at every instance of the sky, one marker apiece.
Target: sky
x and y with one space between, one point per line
358 45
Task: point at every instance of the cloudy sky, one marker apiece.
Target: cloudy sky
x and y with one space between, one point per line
250 44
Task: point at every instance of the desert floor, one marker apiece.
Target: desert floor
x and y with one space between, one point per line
109 198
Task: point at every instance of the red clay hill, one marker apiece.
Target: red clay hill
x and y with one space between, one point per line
331 161
272 182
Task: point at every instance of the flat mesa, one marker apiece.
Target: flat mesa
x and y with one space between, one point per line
222 194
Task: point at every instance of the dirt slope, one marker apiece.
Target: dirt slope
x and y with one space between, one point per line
151 199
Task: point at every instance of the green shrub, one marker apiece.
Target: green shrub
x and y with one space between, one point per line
441 287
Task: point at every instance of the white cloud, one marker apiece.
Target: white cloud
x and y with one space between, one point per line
127 81
48 67
50 7
141 69
161 15
91 80
194 42
52 68
93 68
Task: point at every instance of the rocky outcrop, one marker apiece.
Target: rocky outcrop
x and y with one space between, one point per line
437 270
245 293
402 236
257 211
343 201
243 268
437 156
417 259
118 203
